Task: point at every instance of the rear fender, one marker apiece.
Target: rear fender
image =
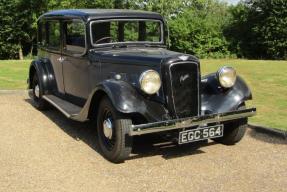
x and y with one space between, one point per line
45 74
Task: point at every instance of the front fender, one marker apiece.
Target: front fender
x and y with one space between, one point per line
216 99
126 99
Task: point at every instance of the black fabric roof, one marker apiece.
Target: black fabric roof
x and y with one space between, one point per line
88 14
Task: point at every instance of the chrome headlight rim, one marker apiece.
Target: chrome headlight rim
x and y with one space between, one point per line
227 76
144 88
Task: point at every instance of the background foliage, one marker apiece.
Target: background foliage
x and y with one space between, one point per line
258 29
206 28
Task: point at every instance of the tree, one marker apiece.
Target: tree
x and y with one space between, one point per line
271 26
11 28
78 4
258 29
207 28
18 20
18 26
167 8
198 29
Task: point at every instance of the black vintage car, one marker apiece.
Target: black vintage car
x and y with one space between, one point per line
113 66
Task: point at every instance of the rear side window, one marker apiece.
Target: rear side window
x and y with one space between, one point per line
75 42
42 34
54 35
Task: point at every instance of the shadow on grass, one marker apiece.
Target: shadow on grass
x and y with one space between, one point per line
144 146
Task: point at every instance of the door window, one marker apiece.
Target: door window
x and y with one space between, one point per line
75 42
42 34
54 34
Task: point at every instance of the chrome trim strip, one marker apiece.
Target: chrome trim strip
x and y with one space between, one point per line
190 122
57 106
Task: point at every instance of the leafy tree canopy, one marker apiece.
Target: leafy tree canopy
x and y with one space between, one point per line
206 28
258 29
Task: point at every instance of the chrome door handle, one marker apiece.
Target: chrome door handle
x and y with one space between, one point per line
61 59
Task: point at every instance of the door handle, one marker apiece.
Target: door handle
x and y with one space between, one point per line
61 59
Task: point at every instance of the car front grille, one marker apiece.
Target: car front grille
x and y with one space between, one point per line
184 89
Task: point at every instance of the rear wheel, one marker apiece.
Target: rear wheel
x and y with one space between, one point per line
37 94
233 131
112 132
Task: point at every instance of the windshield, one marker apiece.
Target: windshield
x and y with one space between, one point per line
126 31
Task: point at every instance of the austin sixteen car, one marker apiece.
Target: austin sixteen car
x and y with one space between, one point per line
113 67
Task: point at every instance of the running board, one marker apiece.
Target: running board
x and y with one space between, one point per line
70 110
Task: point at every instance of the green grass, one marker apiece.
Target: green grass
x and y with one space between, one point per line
13 74
268 83
267 80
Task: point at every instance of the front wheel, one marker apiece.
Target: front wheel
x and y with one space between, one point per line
233 131
112 132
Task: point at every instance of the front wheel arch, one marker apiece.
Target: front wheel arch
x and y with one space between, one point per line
136 118
125 99
95 103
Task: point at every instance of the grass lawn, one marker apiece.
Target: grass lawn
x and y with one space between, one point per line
267 80
268 83
13 74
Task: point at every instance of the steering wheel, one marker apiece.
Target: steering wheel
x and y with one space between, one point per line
102 39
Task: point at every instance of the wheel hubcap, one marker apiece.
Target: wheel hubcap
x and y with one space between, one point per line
108 128
37 91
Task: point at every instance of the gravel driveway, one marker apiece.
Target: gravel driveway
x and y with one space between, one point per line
46 152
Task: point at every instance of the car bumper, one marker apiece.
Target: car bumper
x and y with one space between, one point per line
190 122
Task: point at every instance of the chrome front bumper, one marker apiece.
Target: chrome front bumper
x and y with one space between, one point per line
190 122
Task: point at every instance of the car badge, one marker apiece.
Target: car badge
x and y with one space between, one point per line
183 57
183 78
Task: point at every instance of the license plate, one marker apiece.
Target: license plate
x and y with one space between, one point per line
200 134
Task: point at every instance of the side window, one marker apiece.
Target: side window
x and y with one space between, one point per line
42 34
54 34
75 37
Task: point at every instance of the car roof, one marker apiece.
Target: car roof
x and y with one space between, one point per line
89 14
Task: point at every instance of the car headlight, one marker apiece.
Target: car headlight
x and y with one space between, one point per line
226 76
150 82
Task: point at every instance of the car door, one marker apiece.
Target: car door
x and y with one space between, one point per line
75 61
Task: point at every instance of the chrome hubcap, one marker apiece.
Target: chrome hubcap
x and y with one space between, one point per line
108 128
37 91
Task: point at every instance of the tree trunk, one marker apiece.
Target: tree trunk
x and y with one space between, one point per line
32 46
20 53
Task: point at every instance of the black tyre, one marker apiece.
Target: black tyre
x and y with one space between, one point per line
112 132
233 131
37 94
